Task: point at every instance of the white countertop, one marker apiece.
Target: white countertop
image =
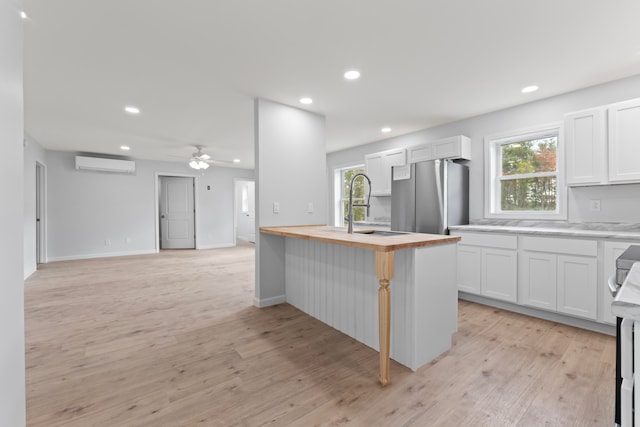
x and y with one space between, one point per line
551 228
627 301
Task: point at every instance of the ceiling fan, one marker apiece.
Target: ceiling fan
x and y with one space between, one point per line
201 160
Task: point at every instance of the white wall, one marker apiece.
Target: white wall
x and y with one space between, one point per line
291 170
86 208
618 203
33 153
12 365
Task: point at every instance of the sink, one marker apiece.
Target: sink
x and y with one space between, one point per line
381 232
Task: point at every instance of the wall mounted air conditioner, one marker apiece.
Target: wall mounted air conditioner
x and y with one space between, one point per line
105 165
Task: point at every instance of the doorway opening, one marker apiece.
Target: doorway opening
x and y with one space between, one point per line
176 212
41 247
245 211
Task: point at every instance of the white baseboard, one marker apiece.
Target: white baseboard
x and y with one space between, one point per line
266 302
216 246
541 314
102 255
29 272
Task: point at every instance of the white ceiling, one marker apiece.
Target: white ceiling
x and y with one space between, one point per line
194 66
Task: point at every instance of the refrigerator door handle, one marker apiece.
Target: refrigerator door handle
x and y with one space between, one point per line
440 171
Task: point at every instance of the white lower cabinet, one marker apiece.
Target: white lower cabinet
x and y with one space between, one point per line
500 274
560 275
578 286
557 274
469 268
487 265
538 277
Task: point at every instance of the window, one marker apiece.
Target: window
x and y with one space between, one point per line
342 181
524 174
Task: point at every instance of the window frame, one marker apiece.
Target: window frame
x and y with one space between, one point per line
492 144
338 177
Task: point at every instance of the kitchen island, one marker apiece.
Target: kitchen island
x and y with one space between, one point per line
331 275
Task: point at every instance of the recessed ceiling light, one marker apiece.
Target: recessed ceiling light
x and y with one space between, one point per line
125 147
23 15
385 130
530 89
236 160
306 100
352 75
131 109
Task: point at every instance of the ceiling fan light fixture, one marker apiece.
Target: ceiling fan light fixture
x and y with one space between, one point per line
194 164
203 165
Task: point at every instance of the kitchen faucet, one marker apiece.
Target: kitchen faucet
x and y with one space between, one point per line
349 217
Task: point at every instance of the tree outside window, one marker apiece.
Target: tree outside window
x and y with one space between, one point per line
359 193
528 181
524 174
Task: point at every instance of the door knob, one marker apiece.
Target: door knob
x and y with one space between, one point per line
162 216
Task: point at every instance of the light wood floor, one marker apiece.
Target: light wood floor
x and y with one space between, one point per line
173 339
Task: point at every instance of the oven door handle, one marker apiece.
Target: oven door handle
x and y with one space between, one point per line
613 286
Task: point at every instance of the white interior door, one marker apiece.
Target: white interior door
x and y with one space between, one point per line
177 213
245 211
39 216
251 213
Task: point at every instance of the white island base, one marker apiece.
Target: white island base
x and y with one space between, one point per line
337 285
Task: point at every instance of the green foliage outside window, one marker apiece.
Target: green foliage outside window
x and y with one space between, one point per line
528 181
359 194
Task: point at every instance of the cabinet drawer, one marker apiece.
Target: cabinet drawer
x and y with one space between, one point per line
560 246
489 240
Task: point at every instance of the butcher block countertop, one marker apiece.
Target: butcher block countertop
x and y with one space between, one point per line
360 238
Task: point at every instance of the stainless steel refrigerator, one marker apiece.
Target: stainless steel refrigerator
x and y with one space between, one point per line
428 197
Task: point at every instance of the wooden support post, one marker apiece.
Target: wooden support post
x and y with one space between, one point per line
384 273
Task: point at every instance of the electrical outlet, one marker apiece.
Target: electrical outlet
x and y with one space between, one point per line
594 205
127 240
276 207
309 207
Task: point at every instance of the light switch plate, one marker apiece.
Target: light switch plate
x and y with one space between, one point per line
309 207
276 207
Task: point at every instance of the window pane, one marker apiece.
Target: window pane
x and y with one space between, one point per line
359 214
359 185
536 155
530 194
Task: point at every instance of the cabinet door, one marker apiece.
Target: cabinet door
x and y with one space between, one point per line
392 158
469 269
500 274
420 153
624 141
374 167
585 147
612 250
538 279
456 147
578 286
378 167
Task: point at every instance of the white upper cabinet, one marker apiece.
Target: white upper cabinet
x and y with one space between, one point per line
378 167
624 141
602 145
455 147
586 146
